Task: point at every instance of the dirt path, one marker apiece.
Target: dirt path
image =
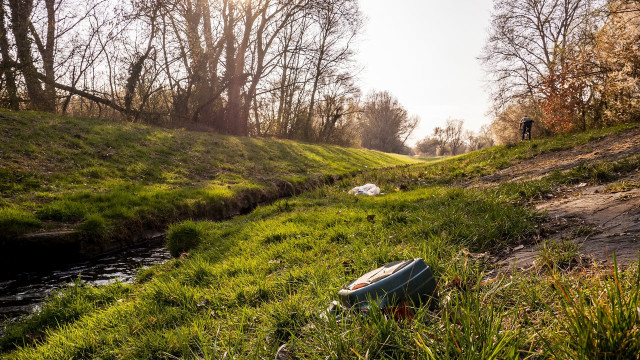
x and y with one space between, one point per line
602 219
600 222
610 148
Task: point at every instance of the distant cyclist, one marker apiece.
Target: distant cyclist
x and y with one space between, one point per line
525 124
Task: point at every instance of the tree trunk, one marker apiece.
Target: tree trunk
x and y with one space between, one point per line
48 56
6 66
233 91
308 125
213 50
20 13
199 75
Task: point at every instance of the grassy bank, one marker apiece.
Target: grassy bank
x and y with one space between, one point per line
262 280
114 179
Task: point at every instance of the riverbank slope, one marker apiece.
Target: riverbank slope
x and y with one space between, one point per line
80 187
258 284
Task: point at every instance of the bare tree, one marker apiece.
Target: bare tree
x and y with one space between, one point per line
386 125
485 137
455 135
255 67
338 23
530 53
428 146
440 136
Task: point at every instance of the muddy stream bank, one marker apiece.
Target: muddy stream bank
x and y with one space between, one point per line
35 265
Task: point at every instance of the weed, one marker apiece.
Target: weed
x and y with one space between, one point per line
583 231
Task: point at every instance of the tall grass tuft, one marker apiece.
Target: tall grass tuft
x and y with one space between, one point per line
561 254
184 236
94 227
473 327
603 323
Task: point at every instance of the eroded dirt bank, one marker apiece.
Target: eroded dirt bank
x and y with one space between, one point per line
44 249
603 219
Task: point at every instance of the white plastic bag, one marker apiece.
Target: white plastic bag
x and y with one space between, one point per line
367 189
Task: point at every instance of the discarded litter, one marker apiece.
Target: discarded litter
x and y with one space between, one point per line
394 287
366 189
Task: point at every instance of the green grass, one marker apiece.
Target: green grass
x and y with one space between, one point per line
65 172
65 305
261 280
560 254
184 236
14 222
622 186
264 278
601 323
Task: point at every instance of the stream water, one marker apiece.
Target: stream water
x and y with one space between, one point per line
22 292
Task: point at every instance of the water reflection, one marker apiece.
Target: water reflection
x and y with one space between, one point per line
21 293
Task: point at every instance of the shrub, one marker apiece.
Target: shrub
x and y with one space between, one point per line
184 236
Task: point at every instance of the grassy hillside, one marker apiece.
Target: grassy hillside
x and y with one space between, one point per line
116 179
262 280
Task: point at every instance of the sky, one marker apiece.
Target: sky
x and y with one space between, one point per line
425 53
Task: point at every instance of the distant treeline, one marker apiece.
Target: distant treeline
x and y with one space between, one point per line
454 139
570 64
252 67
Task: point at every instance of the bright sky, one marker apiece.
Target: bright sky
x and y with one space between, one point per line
425 53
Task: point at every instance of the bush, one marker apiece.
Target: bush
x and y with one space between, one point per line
15 222
184 236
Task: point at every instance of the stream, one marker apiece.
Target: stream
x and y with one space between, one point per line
21 293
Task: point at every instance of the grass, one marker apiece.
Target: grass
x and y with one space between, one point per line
622 186
560 254
603 323
467 168
115 180
184 236
262 280
255 280
65 305
14 222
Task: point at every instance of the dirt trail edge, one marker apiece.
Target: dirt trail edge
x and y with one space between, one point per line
602 221
610 148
